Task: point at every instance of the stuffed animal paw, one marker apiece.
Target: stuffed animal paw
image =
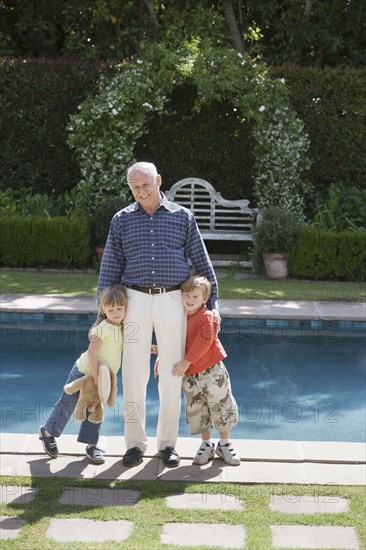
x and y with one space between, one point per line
89 400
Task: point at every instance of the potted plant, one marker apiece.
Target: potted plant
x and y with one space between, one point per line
274 236
103 216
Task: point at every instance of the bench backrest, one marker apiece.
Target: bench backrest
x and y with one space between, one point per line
211 210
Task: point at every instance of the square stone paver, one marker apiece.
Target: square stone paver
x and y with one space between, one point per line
213 535
10 527
204 501
301 536
305 504
17 494
88 530
92 496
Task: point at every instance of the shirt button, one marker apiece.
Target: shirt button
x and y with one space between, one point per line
153 258
152 231
152 244
153 272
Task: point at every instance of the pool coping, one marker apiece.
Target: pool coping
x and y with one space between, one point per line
268 462
245 309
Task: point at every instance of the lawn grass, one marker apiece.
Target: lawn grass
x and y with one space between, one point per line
151 512
41 282
291 289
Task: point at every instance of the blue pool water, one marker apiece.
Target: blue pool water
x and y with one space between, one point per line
296 380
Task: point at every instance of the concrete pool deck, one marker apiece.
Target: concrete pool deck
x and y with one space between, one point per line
246 309
263 461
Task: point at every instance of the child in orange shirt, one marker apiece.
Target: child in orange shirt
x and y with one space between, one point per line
206 382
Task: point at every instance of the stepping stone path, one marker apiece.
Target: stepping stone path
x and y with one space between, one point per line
291 504
10 527
302 536
17 494
205 501
91 496
213 535
217 535
88 530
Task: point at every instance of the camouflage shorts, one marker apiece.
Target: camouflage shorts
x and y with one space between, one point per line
209 401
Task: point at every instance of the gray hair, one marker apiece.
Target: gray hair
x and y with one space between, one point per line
147 168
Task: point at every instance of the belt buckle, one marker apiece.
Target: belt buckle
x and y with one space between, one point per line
159 290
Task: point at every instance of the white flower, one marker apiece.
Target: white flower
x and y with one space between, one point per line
261 108
146 104
114 112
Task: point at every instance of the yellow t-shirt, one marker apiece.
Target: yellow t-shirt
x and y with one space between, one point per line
110 350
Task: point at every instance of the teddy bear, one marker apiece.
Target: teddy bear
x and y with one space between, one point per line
89 398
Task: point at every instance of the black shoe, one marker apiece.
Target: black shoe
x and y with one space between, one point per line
95 454
49 443
170 457
133 457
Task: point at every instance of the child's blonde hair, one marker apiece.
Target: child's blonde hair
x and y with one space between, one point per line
197 281
114 295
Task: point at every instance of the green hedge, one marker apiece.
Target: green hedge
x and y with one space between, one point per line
37 97
58 241
322 254
331 102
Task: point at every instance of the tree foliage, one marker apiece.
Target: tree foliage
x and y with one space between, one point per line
307 32
105 131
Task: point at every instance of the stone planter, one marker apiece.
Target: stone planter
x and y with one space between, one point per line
276 265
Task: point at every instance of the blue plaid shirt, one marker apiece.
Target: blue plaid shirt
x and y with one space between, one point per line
153 250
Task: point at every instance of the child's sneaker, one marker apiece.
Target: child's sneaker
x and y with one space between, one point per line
227 453
205 453
48 442
95 454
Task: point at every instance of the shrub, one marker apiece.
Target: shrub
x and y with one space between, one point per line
276 231
322 254
26 202
45 242
103 215
345 208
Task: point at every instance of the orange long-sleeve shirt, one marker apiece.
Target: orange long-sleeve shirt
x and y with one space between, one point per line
203 348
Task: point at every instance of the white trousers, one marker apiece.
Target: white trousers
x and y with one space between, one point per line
165 314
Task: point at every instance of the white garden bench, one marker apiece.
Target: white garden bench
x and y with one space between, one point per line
217 218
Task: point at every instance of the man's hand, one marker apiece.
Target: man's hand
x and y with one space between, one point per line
156 367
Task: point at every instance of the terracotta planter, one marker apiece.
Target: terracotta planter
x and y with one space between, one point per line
276 265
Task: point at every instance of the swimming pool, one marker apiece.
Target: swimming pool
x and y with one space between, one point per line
293 380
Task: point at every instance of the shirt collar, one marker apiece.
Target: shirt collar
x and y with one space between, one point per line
135 207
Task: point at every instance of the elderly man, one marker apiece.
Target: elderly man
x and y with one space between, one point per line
147 250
